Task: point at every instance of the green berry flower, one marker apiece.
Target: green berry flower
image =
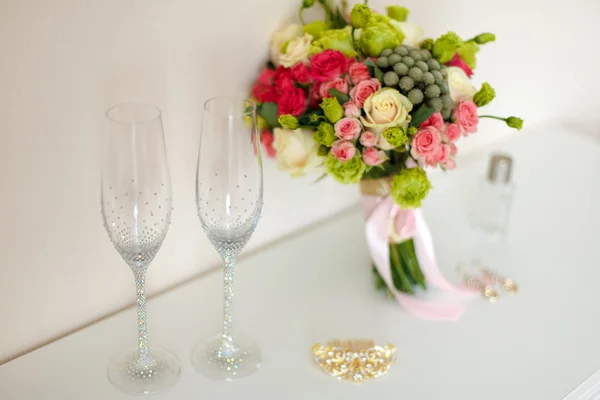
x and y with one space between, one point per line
428 78
432 91
382 62
401 50
415 55
439 78
398 13
447 101
360 15
410 187
288 121
485 95
390 78
406 83
350 171
416 74
332 109
446 46
415 96
408 61
325 134
422 65
386 53
396 136
433 65
412 131
436 104
394 59
401 69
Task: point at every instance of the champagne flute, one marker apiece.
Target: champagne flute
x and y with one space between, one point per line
136 209
229 191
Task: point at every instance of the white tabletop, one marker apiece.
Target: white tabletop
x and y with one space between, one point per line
318 285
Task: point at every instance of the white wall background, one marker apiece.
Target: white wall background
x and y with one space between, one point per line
63 62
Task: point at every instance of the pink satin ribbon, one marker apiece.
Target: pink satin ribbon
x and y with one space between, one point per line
451 300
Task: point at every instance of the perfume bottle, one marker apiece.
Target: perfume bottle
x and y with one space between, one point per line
492 207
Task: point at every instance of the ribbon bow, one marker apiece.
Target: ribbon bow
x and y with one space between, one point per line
380 212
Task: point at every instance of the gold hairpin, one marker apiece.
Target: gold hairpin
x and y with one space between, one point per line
354 359
507 284
487 290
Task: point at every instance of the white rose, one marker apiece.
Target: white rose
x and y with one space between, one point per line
461 87
297 151
413 33
297 50
280 38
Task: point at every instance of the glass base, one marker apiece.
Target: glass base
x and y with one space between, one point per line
222 360
133 374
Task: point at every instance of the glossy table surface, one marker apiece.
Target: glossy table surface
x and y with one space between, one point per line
317 285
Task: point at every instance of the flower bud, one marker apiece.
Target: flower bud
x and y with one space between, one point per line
288 121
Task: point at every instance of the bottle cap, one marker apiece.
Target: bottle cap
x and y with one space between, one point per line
500 168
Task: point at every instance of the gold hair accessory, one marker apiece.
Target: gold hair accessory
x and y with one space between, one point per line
507 284
487 290
354 359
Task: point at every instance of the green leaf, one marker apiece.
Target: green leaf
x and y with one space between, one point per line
409 261
374 70
341 97
399 277
421 115
378 74
269 112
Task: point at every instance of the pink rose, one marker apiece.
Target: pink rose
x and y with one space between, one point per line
343 150
351 110
372 156
348 128
443 153
363 90
369 139
459 62
358 72
465 116
450 164
436 120
328 65
452 133
453 149
339 84
426 142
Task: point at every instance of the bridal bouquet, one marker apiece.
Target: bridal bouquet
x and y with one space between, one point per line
367 98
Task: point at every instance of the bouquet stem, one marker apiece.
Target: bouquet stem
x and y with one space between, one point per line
405 270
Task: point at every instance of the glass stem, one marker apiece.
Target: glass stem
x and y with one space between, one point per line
228 292
140 284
